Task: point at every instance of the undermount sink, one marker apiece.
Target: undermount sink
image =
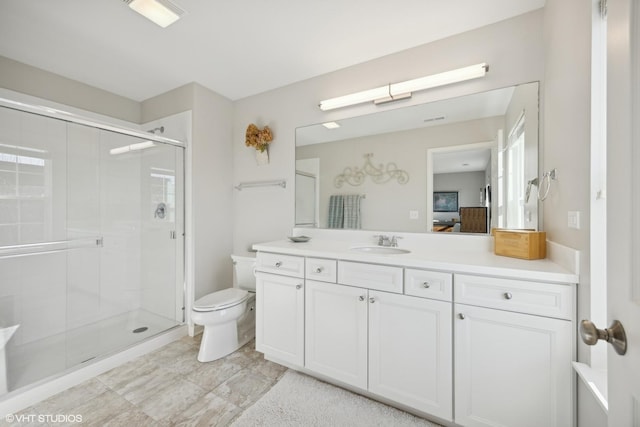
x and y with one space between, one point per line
389 250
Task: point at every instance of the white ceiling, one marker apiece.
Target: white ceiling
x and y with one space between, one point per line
237 48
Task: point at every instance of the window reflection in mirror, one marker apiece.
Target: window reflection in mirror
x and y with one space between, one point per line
503 121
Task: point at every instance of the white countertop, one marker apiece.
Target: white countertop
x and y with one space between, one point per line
472 261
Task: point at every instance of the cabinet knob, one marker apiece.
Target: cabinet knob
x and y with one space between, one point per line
372 300
461 316
319 270
298 286
361 297
278 264
426 285
508 295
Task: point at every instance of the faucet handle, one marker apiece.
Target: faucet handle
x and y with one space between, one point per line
394 240
382 239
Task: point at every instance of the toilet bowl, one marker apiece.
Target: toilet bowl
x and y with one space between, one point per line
228 316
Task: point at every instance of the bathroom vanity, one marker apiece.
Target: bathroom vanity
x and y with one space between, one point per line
464 338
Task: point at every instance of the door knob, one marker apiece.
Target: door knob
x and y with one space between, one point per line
614 335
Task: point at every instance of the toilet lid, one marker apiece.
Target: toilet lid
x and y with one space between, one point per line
220 299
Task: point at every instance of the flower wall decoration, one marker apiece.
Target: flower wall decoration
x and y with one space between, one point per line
258 138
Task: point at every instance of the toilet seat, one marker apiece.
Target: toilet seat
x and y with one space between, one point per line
221 299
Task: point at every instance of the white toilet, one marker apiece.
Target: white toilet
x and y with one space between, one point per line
228 316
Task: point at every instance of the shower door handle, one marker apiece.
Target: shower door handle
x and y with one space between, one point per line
172 235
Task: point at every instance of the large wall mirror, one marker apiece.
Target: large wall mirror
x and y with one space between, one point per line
464 164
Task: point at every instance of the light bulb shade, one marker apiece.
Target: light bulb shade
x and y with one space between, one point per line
441 79
355 98
404 90
161 12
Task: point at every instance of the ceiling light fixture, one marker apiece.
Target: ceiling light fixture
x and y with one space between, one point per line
396 91
160 12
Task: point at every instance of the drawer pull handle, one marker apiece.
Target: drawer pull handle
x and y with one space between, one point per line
361 297
298 286
426 285
461 316
278 264
319 270
372 300
508 295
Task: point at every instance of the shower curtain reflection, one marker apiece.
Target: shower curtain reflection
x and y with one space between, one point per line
85 265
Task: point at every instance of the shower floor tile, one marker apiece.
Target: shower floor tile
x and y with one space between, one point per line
37 360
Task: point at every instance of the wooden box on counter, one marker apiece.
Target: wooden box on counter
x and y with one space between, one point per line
524 244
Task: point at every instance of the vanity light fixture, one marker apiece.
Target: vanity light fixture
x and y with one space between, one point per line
396 91
160 12
331 125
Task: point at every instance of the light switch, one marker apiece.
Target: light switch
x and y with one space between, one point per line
573 219
413 214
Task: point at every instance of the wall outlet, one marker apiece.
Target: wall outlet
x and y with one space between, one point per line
413 214
573 219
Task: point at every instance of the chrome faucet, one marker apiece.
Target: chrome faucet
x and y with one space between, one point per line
387 241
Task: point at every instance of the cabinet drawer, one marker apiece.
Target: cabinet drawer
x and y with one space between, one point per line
321 269
428 284
544 299
371 276
286 265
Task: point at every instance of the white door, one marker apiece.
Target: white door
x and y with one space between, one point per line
280 317
623 206
336 332
410 358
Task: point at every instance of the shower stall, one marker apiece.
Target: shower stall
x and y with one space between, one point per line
91 241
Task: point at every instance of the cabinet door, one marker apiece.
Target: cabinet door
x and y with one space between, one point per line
336 332
280 317
512 369
410 351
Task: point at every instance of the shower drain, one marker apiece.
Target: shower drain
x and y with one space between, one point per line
141 329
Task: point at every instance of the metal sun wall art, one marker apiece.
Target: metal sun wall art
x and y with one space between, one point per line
379 175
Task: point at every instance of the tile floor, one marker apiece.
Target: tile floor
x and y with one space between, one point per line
167 387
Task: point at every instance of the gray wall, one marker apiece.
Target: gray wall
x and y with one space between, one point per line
567 132
33 81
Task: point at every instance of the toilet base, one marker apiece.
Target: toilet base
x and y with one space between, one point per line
218 341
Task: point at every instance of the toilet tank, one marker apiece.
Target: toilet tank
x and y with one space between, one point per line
243 277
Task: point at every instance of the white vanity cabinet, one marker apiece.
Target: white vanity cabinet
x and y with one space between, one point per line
410 348
336 332
468 348
393 345
280 307
512 368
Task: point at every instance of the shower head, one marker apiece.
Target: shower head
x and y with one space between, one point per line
154 130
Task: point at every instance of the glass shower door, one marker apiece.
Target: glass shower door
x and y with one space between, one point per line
91 243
